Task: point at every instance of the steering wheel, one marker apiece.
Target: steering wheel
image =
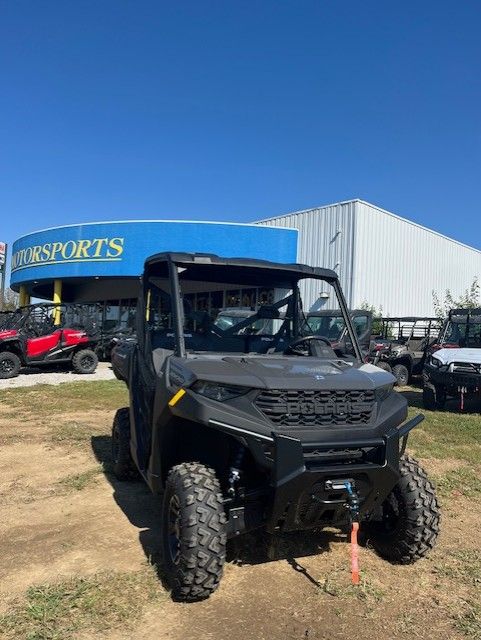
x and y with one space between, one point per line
294 347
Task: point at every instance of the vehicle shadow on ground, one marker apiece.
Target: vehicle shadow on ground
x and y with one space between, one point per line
143 510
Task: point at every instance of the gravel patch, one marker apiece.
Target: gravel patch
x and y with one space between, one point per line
30 377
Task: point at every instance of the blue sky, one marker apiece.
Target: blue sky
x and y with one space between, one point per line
235 111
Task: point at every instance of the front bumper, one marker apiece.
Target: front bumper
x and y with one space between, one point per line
298 464
303 497
454 380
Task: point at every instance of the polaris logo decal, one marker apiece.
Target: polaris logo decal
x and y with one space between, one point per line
320 408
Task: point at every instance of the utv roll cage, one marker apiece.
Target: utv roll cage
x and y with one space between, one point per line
42 317
467 319
176 267
406 327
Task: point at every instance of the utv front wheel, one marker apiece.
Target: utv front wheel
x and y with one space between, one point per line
434 397
193 531
9 365
123 465
385 366
409 522
85 361
401 373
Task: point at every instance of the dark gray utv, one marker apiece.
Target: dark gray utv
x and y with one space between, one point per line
240 430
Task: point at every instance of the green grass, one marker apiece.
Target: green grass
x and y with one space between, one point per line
445 435
469 620
368 590
74 396
78 481
463 565
461 481
96 603
72 432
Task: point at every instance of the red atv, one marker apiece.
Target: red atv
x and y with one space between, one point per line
44 334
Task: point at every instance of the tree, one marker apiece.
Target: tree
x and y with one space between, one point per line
470 299
10 300
376 314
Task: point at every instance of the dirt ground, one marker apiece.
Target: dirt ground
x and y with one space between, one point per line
80 551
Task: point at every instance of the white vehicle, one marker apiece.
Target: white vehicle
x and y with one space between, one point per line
453 368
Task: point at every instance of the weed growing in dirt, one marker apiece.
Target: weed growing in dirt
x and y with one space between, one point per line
463 565
79 481
73 432
461 481
95 603
368 590
469 621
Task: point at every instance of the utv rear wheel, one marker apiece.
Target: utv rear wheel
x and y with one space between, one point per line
409 525
401 373
193 531
123 465
9 365
85 361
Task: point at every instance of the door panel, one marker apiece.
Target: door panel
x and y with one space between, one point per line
37 347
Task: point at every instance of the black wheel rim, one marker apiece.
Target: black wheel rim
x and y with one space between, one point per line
7 366
174 529
86 362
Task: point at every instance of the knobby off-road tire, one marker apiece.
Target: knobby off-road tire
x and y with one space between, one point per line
401 373
434 398
85 361
384 366
411 516
193 531
122 463
9 365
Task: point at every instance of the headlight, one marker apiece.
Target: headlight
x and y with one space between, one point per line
435 362
383 392
219 392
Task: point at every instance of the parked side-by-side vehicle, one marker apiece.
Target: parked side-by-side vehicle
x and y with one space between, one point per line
43 334
241 427
453 366
402 345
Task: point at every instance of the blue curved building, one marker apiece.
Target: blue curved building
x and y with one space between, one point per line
103 261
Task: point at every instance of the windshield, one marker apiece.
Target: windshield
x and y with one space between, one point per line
333 326
465 334
239 317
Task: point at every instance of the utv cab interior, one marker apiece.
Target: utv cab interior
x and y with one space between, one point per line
186 297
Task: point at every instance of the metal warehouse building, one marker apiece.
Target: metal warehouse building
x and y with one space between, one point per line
381 259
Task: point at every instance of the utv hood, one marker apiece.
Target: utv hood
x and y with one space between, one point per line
448 356
289 373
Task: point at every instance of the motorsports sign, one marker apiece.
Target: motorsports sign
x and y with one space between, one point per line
3 251
119 249
85 250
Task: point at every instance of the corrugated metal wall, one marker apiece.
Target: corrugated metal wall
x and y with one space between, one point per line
398 264
381 259
325 240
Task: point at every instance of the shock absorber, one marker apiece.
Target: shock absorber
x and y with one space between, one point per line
235 470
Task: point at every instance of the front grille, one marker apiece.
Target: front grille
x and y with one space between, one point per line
293 408
466 367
